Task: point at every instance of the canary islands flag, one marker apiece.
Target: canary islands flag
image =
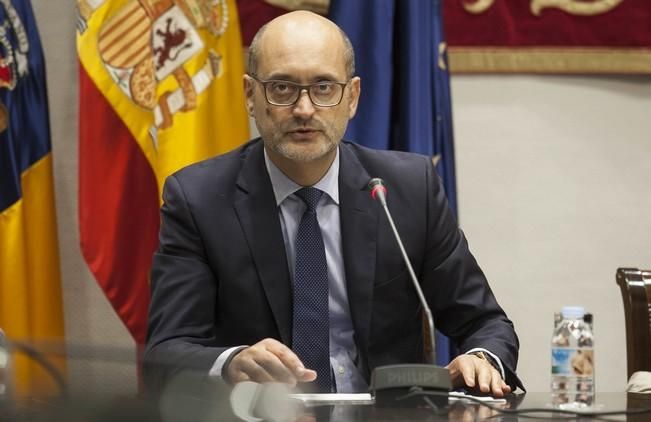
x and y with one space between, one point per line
30 287
160 87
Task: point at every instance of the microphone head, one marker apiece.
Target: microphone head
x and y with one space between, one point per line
378 190
374 182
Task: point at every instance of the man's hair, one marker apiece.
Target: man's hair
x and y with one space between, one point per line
254 53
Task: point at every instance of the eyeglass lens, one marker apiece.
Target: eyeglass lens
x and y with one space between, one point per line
287 93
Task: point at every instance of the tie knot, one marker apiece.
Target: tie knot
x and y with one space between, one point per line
310 196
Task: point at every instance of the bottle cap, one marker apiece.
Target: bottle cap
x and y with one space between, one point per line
573 312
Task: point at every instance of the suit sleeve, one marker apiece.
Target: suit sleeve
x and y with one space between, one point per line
184 294
463 304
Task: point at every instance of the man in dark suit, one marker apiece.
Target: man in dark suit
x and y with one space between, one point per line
275 264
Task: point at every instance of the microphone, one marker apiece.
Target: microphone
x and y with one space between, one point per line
379 192
391 381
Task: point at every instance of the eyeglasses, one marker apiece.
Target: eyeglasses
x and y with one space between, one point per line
286 93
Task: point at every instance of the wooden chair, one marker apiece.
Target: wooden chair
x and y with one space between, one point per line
636 293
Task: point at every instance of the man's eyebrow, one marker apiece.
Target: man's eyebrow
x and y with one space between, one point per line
280 77
293 78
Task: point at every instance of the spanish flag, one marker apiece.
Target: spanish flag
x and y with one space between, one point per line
30 288
160 87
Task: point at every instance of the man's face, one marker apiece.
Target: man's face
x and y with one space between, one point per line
301 132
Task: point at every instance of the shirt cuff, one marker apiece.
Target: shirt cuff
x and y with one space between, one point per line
222 360
499 362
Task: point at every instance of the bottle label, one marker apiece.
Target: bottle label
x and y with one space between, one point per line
572 361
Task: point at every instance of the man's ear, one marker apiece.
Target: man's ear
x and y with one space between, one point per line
355 90
249 87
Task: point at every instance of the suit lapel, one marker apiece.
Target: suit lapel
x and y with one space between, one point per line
359 217
256 209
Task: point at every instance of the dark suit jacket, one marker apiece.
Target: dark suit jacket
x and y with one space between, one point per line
220 276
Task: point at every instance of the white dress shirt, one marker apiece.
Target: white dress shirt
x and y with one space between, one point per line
343 350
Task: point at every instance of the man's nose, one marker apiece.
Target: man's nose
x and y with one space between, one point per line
303 107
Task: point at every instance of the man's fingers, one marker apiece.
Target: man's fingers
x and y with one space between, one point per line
239 376
291 361
506 389
260 365
267 361
478 374
502 389
254 370
483 376
497 384
458 369
306 375
276 368
467 369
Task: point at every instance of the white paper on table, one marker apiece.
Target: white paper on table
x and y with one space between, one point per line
459 395
333 398
366 398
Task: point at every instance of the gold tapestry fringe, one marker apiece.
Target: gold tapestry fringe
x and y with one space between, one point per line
549 60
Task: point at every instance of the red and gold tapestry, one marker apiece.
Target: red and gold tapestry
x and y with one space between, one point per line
255 13
549 36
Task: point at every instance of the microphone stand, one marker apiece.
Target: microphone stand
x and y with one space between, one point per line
389 383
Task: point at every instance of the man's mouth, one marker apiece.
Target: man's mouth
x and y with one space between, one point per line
303 133
304 129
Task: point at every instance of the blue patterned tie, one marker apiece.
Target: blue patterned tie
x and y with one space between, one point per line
311 322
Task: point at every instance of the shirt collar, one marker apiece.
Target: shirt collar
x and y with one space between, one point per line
283 186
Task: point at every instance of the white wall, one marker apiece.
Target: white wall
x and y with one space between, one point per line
554 183
553 177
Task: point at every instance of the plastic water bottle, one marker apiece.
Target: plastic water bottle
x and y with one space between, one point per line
573 358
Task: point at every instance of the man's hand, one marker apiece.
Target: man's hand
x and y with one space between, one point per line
268 361
477 374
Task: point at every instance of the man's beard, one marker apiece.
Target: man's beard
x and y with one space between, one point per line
304 151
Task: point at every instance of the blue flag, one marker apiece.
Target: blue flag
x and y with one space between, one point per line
405 104
31 307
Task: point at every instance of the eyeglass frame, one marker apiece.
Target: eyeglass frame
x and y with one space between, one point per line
302 88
